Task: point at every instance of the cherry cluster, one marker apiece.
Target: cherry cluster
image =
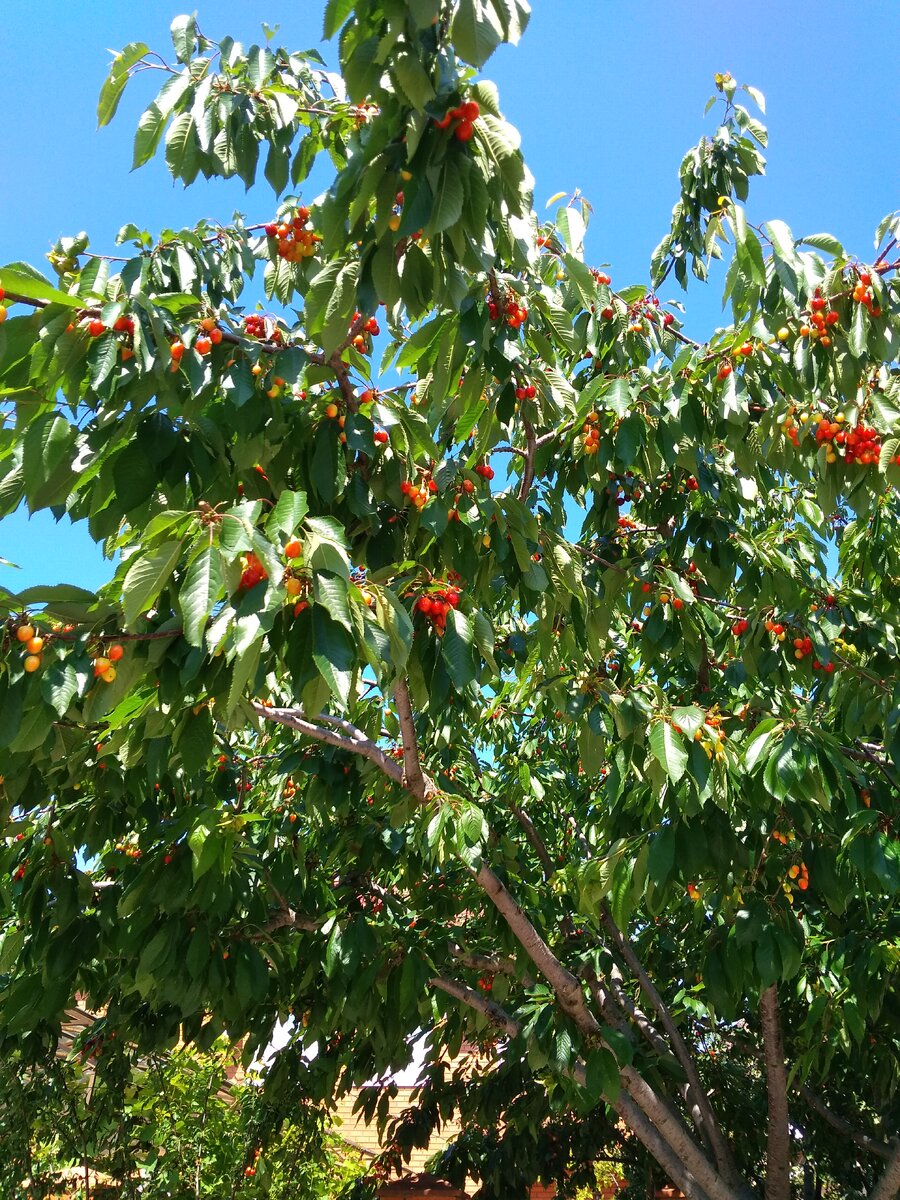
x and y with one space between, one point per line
862 294
434 605
258 326
294 240
526 393
104 663
515 313
485 471
33 644
464 116
591 433
861 444
418 494
802 647
253 573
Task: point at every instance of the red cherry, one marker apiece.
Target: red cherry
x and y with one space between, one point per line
95 328
464 131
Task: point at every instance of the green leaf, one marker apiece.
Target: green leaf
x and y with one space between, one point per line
449 198
668 749
59 684
602 1076
336 13
413 80
285 517
182 150
18 278
114 84
475 32
195 745
184 34
457 648
333 653
824 241
145 579
201 590
243 670
858 331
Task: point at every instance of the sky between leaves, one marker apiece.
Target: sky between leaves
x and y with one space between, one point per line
607 96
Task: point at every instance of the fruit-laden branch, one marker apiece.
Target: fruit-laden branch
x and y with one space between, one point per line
570 996
889 1184
778 1148
651 1117
869 1144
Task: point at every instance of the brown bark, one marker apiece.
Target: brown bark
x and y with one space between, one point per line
778 1147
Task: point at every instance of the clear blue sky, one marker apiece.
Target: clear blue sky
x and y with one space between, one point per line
608 96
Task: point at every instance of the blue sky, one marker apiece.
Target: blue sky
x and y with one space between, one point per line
607 96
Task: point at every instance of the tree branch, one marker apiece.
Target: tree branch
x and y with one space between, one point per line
869 1144
356 742
472 999
778 1149
413 776
528 471
889 1184
697 1092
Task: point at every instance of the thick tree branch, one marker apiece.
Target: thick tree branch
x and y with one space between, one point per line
657 1145
413 775
888 1186
567 987
830 1117
778 1149
697 1092
671 1126
489 1008
356 742
626 1108
286 918
491 964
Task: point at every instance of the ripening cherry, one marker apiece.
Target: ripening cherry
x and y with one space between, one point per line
381 437
203 345
95 328
25 633
293 549
331 410
115 652
724 371
32 663
34 645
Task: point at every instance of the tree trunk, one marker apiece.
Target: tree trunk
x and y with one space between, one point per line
778 1149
